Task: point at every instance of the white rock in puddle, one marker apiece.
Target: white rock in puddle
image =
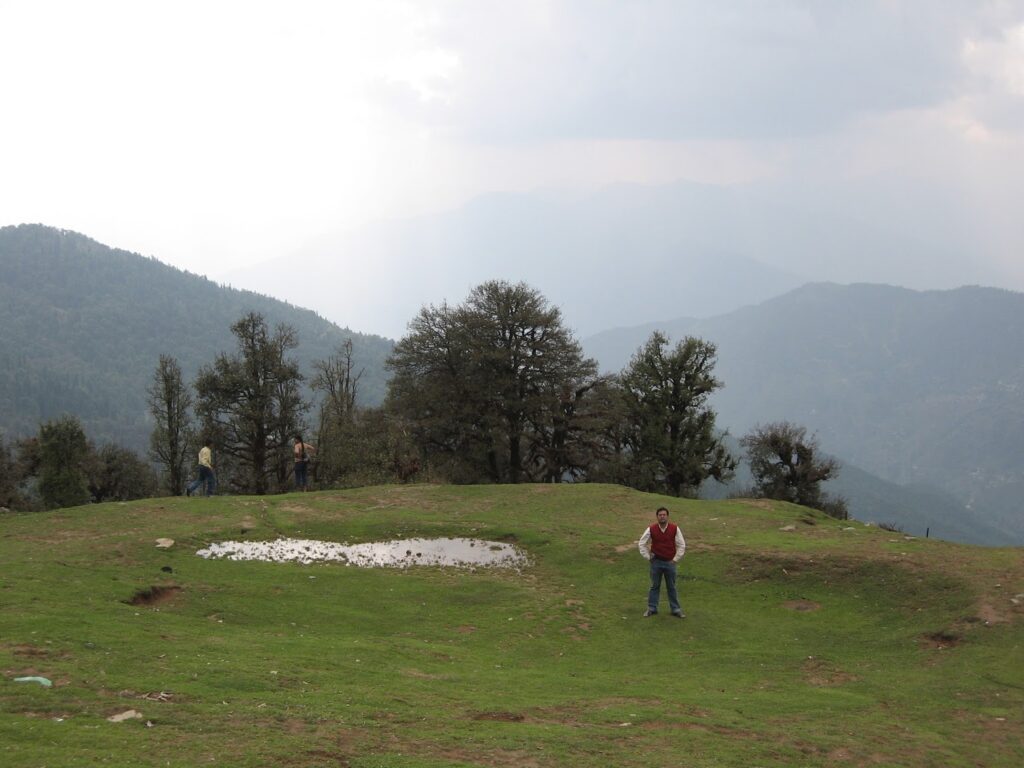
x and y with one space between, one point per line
453 552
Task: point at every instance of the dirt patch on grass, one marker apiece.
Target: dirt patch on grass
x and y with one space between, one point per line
492 758
321 757
52 715
940 640
802 605
347 745
840 755
501 717
158 594
753 567
989 614
720 730
821 673
294 508
999 734
26 651
422 675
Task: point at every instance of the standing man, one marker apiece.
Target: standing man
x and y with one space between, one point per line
303 452
663 545
207 479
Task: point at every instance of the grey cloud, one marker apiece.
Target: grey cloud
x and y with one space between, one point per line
682 70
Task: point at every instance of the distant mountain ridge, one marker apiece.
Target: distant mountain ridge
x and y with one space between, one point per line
626 253
921 388
84 325
604 259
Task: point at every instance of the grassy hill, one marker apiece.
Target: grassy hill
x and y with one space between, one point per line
825 645
85 324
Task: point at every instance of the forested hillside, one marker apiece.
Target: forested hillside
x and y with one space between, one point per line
923 389
84 325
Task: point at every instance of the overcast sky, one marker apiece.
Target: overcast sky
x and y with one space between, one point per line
213 135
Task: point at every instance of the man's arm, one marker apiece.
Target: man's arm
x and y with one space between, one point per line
645 544
680 546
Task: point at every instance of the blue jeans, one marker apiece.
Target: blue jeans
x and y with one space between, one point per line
663 569
207 480
301 474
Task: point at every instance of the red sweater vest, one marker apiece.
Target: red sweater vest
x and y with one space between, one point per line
663 545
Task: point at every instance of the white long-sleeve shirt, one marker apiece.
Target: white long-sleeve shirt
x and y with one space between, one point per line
645 544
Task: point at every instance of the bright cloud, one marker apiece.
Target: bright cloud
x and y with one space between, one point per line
215 135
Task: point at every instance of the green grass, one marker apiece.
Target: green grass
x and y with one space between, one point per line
907 652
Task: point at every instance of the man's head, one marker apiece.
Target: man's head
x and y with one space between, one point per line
298 439
662 515
208 442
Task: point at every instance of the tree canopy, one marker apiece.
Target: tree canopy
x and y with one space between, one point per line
173 439
672 441
250 403
787 464
484 385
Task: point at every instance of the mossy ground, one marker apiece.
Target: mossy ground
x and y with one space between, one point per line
829 645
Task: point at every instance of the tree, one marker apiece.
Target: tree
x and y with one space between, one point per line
63 455
10 479
787 465
482 384
434 390
173 439
672 441
118 474
250 404
335 378
570 440
380 449
608 429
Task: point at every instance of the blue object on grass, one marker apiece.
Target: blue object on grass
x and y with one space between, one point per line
41 680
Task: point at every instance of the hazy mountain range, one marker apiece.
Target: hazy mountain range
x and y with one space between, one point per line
922 389
84 326
629 253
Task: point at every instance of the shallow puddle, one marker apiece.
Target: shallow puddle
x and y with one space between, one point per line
403 553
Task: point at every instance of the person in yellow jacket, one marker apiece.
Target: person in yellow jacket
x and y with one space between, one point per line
207 478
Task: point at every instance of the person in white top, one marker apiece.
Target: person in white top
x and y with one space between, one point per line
663 545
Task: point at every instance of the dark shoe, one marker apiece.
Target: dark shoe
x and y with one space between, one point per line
679 615
649 612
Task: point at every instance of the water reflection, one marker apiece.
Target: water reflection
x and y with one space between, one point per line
401 553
